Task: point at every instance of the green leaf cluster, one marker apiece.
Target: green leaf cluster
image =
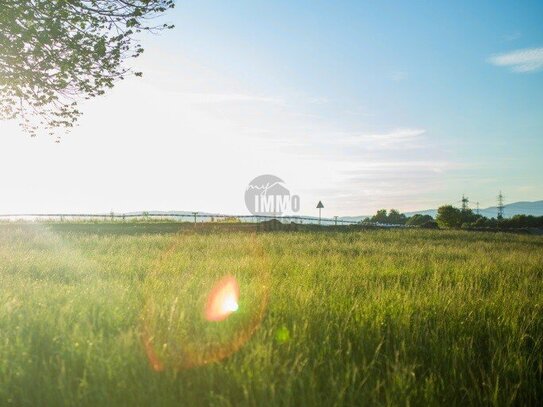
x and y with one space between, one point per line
55 53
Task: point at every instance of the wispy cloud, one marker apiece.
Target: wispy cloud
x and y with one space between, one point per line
521 61
228 97
318 100
402 137
320 142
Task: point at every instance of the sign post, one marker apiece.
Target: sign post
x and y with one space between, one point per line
319 207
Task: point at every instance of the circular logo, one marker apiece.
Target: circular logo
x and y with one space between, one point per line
266 195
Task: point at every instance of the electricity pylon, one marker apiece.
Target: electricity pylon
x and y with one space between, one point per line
500 205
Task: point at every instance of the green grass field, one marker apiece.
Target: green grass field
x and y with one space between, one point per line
391 317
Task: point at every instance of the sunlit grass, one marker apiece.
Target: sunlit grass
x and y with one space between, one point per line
375 317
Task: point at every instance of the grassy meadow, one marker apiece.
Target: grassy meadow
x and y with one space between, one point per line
97 317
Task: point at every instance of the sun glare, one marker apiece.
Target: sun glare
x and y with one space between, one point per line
223 300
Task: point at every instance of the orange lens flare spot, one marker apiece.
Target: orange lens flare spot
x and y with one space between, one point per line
223 300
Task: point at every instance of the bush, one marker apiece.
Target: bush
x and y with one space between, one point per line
419 220
449 217
431 224
481 222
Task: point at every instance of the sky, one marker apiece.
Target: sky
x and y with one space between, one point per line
363 105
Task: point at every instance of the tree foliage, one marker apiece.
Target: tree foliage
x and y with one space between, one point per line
516 222
53 53
419 220
449 217
380 217
393 217
396 218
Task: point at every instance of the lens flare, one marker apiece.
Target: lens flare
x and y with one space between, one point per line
192 314
223 300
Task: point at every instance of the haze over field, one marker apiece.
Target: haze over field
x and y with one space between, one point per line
241 215
360 105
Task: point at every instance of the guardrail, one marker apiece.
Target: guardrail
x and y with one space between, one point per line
189 217
198 217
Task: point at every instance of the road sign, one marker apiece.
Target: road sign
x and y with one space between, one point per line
319 207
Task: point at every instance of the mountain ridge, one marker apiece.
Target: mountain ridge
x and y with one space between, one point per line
534 208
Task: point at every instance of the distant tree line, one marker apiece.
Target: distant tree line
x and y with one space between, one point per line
394 217
450 217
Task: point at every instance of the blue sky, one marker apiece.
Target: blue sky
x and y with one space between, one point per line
360 104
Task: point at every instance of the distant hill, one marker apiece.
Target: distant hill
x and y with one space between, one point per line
515 208
510 210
